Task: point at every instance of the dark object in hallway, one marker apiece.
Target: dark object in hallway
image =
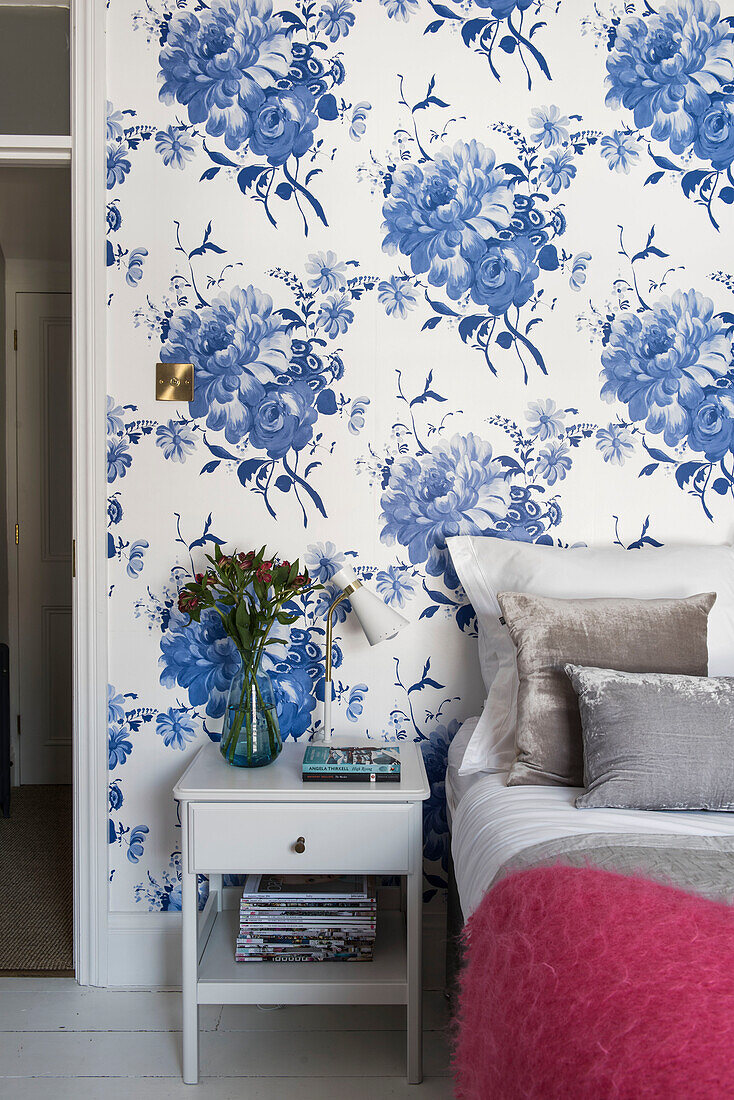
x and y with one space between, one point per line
36 907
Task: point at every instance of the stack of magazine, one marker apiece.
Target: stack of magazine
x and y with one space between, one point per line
307 918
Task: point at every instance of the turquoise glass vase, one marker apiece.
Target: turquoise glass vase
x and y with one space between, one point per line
251 732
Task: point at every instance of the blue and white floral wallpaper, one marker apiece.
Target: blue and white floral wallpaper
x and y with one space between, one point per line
440 268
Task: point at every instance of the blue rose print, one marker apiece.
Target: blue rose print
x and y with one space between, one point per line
715 136
504 275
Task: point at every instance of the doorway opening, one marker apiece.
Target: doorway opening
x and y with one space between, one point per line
36 861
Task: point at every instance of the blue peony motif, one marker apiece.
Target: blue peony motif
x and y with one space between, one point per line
659 362
200 658
219 62
295 701
715 136
504 275
441 213
458 488
667 66
237 345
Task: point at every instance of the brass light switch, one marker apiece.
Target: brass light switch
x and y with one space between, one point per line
174 382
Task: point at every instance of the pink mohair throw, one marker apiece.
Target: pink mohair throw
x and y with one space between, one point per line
586 985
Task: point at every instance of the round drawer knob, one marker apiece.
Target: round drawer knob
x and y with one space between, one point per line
300 845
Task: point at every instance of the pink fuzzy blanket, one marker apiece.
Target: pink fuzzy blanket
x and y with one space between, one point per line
587 985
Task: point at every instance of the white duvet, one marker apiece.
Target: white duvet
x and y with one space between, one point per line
492 823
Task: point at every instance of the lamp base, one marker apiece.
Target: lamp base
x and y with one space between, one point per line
323 735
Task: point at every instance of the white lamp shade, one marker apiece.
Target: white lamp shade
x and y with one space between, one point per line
379 622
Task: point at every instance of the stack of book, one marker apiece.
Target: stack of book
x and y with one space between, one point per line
355 764
307 918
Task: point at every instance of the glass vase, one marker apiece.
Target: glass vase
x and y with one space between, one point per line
251 733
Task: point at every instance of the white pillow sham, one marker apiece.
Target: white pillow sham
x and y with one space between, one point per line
487 565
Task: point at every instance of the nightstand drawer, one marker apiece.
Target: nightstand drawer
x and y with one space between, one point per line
269 837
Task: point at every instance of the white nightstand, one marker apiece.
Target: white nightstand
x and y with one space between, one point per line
237 820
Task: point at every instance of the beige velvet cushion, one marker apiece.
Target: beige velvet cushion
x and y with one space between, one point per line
662 635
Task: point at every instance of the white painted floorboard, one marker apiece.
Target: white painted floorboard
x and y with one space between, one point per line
60 1041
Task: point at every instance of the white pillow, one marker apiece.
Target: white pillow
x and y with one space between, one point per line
488 565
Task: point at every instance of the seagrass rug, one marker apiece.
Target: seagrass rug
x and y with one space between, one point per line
36 897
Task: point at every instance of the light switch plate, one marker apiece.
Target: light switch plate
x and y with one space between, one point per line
174 382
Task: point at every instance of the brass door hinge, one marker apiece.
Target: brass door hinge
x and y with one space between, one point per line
73 557
15 339
17 534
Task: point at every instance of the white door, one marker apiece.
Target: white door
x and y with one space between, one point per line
44 662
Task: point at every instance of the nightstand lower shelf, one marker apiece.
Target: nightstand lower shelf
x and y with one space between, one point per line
383 980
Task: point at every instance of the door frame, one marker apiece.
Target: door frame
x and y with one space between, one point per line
86 154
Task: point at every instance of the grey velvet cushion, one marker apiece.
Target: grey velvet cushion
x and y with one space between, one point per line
654 741
661 635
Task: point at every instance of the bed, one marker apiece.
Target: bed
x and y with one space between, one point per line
495 828
508 838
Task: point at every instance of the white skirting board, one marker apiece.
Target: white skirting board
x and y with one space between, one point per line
144 949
